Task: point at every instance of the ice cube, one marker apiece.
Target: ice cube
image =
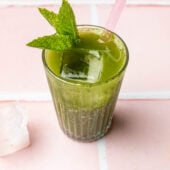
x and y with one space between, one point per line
76 70
95 62
14 134
85 65
95 53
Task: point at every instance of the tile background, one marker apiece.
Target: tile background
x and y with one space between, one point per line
139 138
144 28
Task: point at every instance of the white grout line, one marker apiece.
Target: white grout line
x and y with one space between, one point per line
148 2
99 2
94 14
101 146
145 95
45 96
32 96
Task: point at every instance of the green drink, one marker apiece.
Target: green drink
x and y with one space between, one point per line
85 82
84 66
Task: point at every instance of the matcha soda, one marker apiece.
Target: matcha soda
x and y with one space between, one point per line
85 82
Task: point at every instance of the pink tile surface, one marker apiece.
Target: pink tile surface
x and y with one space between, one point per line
50 148
145 30
139 140
21 68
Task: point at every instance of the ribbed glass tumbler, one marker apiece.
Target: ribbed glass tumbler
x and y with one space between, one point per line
85 110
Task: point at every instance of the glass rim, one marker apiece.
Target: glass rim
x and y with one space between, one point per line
79 83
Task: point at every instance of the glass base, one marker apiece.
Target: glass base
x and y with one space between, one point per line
86 125
91 139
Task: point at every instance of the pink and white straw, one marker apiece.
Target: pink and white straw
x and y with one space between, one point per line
115 14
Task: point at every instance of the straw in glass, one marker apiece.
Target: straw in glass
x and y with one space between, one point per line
115 14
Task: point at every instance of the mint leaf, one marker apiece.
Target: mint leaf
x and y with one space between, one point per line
66 21
52 42
50 16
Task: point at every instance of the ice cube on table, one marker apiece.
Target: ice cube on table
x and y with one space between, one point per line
86 67
14 134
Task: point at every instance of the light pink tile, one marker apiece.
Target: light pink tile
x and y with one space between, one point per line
140 139
50 148
146 31
21 68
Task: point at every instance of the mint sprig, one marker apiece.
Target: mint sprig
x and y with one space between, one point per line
64 23
66 20
50 16
52 42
